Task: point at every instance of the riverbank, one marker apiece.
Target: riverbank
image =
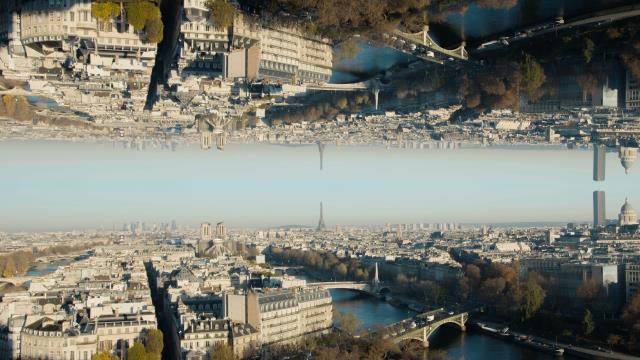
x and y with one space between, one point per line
504 334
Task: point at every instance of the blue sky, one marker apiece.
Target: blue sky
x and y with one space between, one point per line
62 185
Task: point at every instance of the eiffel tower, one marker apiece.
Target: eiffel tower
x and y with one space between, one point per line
321 225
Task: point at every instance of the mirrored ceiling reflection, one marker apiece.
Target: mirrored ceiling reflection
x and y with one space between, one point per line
66 185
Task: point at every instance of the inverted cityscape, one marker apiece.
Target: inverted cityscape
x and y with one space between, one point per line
319 179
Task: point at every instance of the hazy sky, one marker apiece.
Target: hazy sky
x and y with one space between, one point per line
62 185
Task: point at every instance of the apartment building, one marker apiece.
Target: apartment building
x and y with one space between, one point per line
47 32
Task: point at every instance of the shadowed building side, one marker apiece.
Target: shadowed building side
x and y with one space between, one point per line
321 147
599 211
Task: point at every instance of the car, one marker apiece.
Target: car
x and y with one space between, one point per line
450 312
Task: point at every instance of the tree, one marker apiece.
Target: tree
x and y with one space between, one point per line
588 291
463 288
347 49
104 11
222 13
497 4
433 292
222 351
589 47
341 270
533 77
9 268
588 83
346 322
137 352
492 289
154 29
588 325
327 353
631 313
141 12
104 355
342 103
614 340
532 299
154 344
473 273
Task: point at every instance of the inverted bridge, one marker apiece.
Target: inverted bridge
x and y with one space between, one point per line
422 38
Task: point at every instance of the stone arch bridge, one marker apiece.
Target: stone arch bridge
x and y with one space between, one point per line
424 325
374 290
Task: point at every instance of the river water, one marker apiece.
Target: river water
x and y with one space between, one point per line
455 344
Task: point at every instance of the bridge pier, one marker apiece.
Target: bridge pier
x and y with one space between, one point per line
425 337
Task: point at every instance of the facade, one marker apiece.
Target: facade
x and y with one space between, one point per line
49 31
102 303
287 56
211 49
200 335
57 340
282 316
247 50
632 93
632 281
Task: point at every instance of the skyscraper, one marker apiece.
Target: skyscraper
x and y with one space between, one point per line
599 210
321 225
321 149
599 153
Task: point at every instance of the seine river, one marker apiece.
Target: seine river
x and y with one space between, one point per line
469 345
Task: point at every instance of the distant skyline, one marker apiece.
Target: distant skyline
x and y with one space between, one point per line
49 185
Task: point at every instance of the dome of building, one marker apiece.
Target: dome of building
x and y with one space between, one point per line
627 157
627 215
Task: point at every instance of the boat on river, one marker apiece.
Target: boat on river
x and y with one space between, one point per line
531 342
502 333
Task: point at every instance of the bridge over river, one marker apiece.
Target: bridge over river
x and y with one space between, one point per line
422 326
418 328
